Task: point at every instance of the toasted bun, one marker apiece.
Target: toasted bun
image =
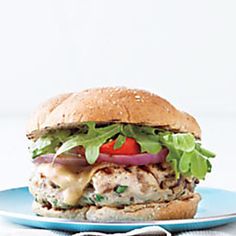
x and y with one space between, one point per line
177 209
105 105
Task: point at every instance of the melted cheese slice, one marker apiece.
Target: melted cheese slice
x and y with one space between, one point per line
72 183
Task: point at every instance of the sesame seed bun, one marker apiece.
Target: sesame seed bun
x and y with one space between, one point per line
109 105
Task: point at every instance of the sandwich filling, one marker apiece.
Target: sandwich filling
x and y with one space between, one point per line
115 165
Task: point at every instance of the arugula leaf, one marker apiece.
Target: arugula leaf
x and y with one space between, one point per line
204 151
183 142
41 146
198 166
48 143
184 163
148 130
174 163
91 141
209 166
189 156
148 143
119 141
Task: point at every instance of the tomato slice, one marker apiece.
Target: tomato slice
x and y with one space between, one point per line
130 147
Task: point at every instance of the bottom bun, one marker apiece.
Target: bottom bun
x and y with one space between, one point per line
177 209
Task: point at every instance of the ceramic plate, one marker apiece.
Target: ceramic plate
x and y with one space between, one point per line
217 207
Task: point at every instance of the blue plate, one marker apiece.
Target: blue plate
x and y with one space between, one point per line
217 207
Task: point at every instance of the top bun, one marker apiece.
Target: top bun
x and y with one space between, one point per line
109 105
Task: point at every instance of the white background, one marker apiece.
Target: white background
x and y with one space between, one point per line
182 50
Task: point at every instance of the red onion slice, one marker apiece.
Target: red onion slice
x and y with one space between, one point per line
63 160
133 160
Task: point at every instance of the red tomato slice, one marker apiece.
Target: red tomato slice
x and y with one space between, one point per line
130 147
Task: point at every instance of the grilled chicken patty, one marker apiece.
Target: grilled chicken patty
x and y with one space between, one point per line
117 186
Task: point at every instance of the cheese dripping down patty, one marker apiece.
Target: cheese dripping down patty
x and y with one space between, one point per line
72 183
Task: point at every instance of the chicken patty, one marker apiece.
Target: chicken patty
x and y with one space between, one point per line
117 186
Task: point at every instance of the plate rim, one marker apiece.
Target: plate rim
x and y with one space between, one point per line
127 223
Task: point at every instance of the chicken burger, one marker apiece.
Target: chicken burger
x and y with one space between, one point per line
115 154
